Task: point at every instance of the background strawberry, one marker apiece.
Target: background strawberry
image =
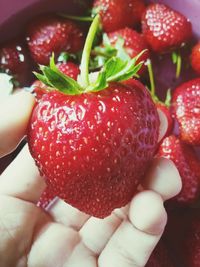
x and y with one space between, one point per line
48 34
117 14
70 69
195 58
165 29
191 242
14 60
133 44
160 257
188 166
186 110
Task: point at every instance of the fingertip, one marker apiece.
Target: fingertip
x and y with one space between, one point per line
163 178
147 213
14 117
163 124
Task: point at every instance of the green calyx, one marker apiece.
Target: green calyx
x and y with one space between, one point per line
115 69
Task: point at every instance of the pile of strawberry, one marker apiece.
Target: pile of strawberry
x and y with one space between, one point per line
94 136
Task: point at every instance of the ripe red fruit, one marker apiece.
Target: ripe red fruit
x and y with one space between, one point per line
195 58
160 257
164 28
94 148
186 109
191 243
53 34
70 69
14 60
134 43
117 14
188 166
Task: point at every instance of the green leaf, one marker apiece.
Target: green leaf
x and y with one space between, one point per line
100 83
61 82
113 66
42 78
174 57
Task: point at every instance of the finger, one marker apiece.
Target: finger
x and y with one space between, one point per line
134 240
163 124
21 179
65 214
52 246
96 232
14 117
81 257
163 178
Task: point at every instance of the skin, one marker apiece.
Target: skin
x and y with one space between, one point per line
63 236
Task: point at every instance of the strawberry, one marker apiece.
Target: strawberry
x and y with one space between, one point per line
70 69
191 245
94 141
133 43
186 110
188 166
164 28
117 14
15 61
49 34
160 257
195 58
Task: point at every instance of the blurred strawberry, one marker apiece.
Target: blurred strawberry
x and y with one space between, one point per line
188 166
48 34
132 42
164 28
195 58
160 257
14 60
117 14
186 110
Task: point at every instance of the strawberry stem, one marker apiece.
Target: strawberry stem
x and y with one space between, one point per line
77 18
84 67
177 59
151 78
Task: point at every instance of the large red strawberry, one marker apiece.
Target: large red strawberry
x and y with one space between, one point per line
160 257
133 44
164 28
188 166
195 58
117 14
186 109
93 142
49 34
14 60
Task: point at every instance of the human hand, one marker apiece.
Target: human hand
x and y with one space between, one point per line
64 236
